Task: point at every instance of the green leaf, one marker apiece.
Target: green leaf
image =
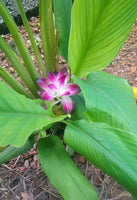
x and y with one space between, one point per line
80 108
13 82
19 117
109 139
62 172
62 11
12 152
98 30
111 149
2 148
109 99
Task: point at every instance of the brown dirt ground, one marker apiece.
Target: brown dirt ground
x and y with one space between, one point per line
22 178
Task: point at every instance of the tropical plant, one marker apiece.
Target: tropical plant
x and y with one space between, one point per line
100 118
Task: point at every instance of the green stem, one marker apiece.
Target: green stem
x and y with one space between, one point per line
18 66
47 33
13 82
56 52
31 37
19 42
51 36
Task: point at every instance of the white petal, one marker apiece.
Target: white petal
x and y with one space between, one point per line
68 104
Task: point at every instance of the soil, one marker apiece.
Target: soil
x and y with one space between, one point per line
22 178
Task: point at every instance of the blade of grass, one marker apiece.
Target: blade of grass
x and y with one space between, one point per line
19 67
13 82
31 37
47 33
19 41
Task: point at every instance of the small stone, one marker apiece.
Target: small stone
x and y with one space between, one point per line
26 163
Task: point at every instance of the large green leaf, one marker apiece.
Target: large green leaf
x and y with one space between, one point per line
111 149
98 31
62 172
62 11
109 99
19 117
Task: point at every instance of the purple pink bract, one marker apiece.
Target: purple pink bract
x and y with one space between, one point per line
57 87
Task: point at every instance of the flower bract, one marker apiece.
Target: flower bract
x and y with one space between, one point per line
57 88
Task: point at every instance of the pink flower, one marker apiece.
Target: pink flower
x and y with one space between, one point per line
57 87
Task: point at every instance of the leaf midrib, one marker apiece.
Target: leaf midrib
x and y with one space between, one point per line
113 157
58 155
2 114
88 41
118 107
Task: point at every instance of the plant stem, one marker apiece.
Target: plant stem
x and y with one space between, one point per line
56 53
19 42
31 37
13 82
47 33
19 67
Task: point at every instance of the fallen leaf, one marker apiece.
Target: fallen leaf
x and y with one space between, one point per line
12 70
132 69
26 196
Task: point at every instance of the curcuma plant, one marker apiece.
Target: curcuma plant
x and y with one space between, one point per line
98 110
